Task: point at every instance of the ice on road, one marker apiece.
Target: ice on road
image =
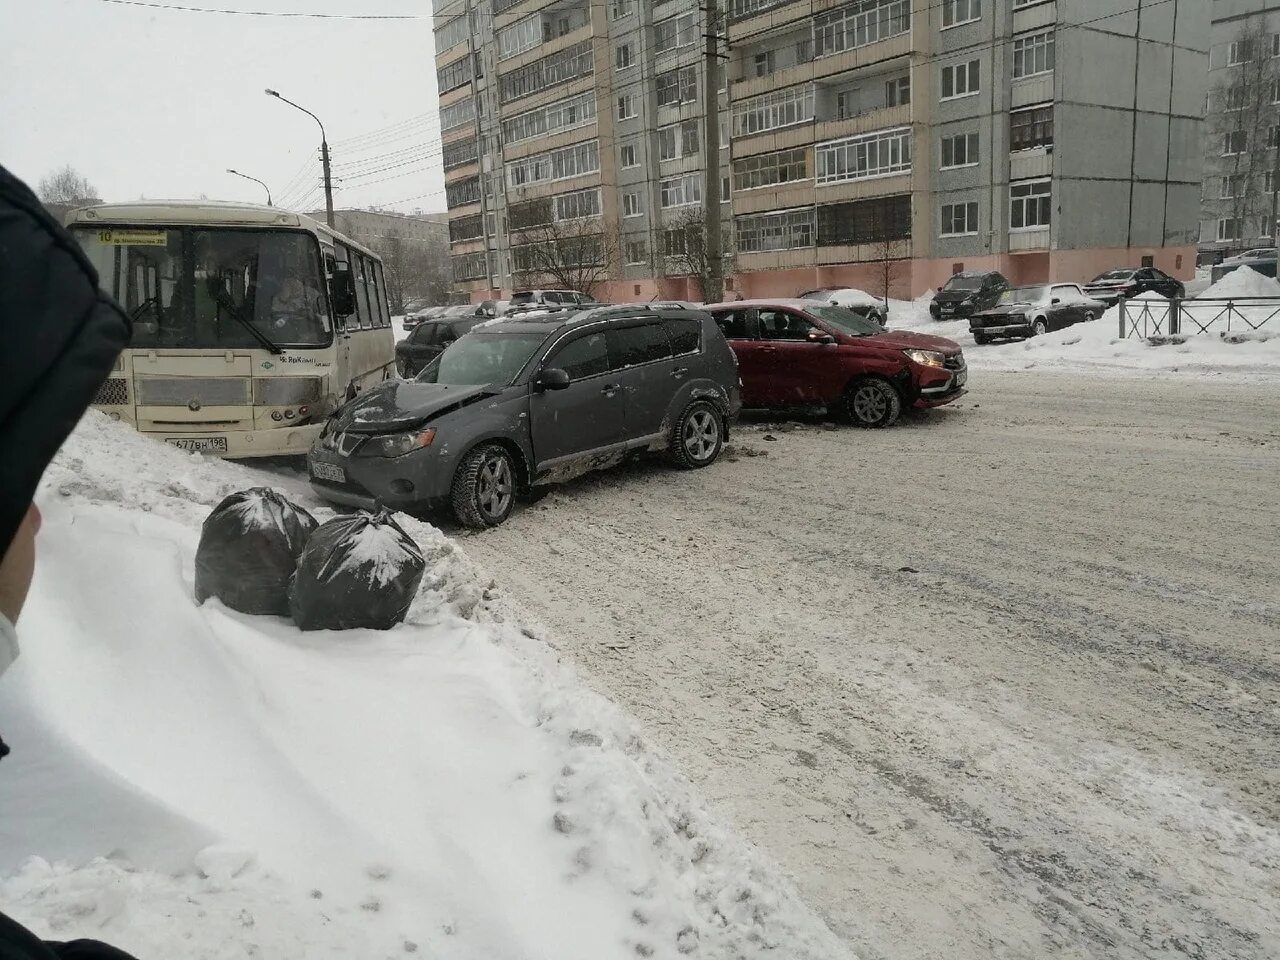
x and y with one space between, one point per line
1003 681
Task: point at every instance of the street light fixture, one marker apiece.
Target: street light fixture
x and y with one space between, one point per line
324 154
255 180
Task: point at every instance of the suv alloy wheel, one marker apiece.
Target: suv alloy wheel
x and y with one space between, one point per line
484 488
697 437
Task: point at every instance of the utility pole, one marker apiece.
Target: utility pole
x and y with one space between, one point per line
324 155
713 283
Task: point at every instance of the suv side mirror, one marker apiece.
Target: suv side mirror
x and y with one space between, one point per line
820 336
342 291
553 378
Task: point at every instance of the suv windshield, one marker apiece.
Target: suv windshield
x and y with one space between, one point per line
1023 295
963 283
482 358
846 321
193 287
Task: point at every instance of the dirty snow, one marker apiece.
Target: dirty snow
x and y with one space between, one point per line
197 782
1242 282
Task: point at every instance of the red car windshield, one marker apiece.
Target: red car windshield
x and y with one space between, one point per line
846 321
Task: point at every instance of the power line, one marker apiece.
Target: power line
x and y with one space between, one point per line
269 13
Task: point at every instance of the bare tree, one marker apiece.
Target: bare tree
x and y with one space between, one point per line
67 187
565 255
685 247
891 253
1244 118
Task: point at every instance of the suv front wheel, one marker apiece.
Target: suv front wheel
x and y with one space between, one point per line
697 437
872 402
484 488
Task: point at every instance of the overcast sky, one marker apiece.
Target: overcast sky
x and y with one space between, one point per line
158 103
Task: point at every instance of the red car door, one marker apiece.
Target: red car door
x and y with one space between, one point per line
739 328
803 362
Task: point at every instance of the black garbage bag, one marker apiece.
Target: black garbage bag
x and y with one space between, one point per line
249 548
356 571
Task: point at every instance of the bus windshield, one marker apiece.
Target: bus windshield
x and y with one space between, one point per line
218 288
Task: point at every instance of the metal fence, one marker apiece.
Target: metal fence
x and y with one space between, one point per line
1167 318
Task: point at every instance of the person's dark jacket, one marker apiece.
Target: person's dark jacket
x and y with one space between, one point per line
59 337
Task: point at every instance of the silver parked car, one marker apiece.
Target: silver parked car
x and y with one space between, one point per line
522 402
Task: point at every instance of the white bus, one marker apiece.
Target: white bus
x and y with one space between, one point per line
250 324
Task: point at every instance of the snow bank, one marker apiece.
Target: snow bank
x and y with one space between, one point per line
1243 281
212 784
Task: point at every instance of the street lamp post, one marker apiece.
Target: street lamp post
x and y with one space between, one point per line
324 155
237 173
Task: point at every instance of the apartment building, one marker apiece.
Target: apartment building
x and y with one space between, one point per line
1048 139
572 118
1242 128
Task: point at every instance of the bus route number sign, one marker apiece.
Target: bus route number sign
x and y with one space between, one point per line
133 238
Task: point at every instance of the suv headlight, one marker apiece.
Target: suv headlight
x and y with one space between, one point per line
929 358
397 444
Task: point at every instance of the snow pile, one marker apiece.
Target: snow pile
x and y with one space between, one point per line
1243 281
212 784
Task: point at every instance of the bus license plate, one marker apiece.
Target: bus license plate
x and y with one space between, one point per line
328 471
200 444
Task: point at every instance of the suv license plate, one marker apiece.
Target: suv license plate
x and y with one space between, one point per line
328 471
199 444
962 378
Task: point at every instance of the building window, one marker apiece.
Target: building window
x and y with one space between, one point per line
675 32
763 63
879 154
470 266
897 92
524 34
462 192
1033 54
455 31
466 228
626 106
677 86
680 191
554 117
770 111
960 150
768 169
1268 182
858 24
1032 127
457 114
876 220
560 164
1239 51
1030 204
673 242
622 57
956 12
579 205
741 9
621 8
678 140
959 219
456 74
1234 142
960 80
1232 187
1231 228
781 230
724 189
459 154
627 155
550 71
631 205
637 252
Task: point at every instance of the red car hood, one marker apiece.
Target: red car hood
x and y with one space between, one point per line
906 340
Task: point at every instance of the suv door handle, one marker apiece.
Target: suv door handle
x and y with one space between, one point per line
610 389
679 372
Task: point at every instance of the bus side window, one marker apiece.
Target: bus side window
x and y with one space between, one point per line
375 315
384 309
330 268
362 292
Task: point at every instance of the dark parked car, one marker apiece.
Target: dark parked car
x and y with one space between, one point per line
519 403
415 317
967 293
428 340
1131 281
805 353
1032 311
853 299
524 298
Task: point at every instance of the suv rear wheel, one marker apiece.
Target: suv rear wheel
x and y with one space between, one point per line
872 402
484 488
1039 328
697 437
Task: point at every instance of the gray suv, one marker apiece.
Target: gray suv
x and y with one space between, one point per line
519 403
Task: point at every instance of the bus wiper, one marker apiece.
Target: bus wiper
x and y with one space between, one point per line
221 298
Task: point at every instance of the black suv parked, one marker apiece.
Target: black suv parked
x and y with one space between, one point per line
967 293
518 403
426 341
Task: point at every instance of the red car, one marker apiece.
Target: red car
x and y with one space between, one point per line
805 353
